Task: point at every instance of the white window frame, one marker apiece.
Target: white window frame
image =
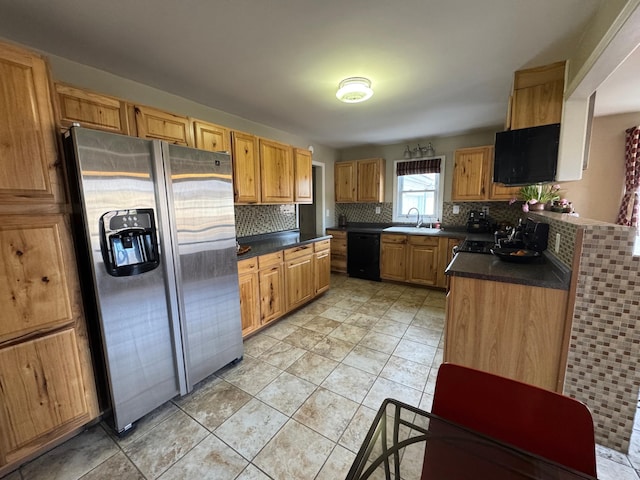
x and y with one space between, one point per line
401 218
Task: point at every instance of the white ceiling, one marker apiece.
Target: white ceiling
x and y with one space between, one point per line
438 67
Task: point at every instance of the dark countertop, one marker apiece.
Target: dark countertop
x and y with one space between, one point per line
452 232
272 242
545 272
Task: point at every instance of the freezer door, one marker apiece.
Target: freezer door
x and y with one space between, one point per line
114 173
204 235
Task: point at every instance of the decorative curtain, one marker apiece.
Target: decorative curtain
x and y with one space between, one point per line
417 167
629 208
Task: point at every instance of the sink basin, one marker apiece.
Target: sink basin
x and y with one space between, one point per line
413 230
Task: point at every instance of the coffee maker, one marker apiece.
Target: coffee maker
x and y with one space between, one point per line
478 222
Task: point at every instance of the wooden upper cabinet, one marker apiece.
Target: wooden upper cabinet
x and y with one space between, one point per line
473 176
303 176
246 168
276 172
211 137
538 95
471 173
161 125
91 110
30 170
371 180
360 181
345 182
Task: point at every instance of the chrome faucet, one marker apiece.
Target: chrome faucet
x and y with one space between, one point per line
418 220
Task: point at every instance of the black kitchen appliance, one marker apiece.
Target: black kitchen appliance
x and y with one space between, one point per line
478 222
363 255
474 246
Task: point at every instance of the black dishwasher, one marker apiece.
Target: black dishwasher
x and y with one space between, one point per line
363 255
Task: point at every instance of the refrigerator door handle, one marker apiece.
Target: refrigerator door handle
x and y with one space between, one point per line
162 172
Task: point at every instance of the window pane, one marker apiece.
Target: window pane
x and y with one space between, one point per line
425 202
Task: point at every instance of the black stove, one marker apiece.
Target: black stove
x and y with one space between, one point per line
475 246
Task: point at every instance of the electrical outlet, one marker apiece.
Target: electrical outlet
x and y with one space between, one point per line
456 209
328 213
377 210
557 247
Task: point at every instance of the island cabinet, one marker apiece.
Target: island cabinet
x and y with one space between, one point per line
473 176
537 96
47 387
338 250
360 181
509 329
91 110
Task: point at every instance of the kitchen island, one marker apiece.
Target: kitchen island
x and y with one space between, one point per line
509 318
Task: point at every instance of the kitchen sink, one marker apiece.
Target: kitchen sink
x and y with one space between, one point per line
413 230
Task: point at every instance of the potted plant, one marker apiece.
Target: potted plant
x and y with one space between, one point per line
535 197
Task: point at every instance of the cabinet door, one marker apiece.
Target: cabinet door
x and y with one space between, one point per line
211 137
503 192
249 302
303 171
393 257
345 182
31 171
322 271
538 96
338 250
276 172
271 293
42 392
246 168
299 281
34 274
471 173
370 183
91 110
422 260
152 123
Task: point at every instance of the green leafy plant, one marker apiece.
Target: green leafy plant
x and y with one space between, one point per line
533 194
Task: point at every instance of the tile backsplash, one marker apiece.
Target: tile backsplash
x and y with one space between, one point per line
365 212
258 219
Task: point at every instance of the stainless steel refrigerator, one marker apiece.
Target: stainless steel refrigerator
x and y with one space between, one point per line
155 231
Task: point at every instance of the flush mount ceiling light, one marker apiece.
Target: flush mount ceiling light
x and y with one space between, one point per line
354 90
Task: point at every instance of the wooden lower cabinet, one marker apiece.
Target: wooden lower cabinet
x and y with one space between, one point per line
249 295
338 250
423 262
393 253
276 283
271 284
512 330
322 266
298 273
417 259
47 388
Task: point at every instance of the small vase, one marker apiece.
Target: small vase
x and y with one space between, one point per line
536 207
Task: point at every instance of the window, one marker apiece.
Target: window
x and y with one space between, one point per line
418 185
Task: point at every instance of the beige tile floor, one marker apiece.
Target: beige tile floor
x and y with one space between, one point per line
297 406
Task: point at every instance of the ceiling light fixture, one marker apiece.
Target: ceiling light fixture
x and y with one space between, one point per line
354 90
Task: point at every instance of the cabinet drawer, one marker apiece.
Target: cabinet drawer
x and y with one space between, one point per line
423 240
247 266
386 238
299 251
337 234
270 259
322 245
